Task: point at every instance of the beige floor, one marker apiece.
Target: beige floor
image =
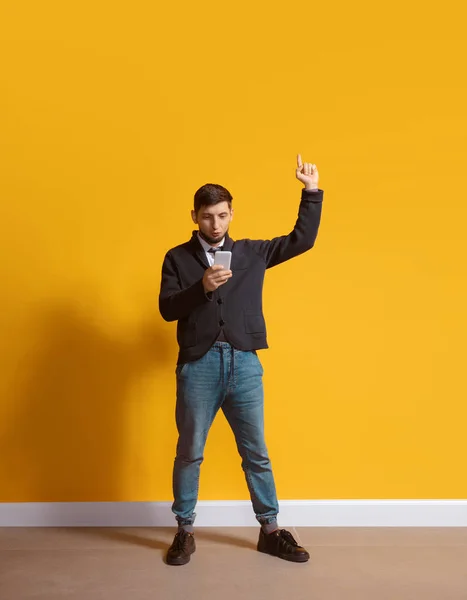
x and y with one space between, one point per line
346 564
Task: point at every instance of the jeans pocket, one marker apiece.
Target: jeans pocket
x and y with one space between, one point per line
179 369
258 362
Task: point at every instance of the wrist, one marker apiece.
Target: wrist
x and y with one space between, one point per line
313 188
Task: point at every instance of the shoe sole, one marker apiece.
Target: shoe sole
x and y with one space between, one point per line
297 559
178 563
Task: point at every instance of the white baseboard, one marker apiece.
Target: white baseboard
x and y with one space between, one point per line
293 513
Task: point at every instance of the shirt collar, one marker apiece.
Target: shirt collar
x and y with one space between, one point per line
206 246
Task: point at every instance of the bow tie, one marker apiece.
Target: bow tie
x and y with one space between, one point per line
214 250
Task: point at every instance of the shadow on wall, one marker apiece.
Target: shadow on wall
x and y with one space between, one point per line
66 435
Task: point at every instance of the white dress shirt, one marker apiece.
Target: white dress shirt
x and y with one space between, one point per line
207 247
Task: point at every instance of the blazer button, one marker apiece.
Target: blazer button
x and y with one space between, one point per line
221 322
219 301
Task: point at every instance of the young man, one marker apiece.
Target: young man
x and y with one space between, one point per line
220 328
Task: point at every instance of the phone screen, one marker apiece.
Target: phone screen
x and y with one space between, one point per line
223 257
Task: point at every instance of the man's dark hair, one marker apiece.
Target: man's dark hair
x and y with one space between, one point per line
210 194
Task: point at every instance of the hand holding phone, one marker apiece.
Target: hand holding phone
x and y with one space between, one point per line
219 273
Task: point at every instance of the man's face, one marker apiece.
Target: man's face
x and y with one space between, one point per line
213 221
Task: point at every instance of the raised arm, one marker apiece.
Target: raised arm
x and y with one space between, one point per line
303 235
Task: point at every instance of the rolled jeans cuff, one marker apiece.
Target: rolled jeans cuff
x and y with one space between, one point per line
267 520
188 521
269 526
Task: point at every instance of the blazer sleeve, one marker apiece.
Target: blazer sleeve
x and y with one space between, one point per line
301 238
174 302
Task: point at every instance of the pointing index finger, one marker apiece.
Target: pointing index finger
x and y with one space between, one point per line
299 161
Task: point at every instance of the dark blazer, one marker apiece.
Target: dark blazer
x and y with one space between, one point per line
237 305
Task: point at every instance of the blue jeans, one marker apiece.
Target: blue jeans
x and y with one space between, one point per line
232 380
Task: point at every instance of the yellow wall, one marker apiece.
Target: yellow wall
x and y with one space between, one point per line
112 114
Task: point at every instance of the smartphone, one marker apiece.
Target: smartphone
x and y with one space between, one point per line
223 257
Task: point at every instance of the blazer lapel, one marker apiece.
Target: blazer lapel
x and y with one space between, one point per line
199 252
228 243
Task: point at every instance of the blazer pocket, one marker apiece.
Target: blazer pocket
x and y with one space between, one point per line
255 324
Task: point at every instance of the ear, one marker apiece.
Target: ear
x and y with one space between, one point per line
231 214
193 216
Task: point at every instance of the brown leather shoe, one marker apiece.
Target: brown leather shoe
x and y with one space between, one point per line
281 543
181 549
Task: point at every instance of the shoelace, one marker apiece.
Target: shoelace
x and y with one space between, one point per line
180 540
288 538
